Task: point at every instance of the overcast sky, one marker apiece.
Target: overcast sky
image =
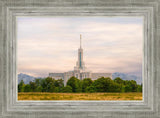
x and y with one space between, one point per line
50 44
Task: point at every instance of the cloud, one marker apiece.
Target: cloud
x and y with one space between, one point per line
49 44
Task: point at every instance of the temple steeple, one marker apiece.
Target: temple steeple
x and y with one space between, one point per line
80 40
80 55
80 64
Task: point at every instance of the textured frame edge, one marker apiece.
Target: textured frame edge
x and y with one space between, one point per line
26 14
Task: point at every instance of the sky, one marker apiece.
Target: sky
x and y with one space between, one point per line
50 44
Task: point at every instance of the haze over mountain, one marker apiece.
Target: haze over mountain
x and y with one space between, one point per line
125 76
27 78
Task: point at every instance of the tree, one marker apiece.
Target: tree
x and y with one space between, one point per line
59 83
133 85
67 89
90 89
38 89
56 89
119 80
139 88
123 88
38 82
48 84
79 88
32 85
44 85
21 86
128 88
86 83
27 88
74 83
102 84
114 87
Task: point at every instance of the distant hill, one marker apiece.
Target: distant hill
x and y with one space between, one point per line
26 78
127 77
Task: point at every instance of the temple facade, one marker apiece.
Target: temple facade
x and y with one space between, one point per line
80 71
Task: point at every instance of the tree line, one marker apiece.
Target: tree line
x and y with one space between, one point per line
75 85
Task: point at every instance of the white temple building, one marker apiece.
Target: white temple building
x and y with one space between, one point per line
80 71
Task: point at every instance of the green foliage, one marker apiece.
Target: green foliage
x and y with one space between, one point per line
130 86
86 83
102 84
139 88
119 80
32 86
90 89
67 89
114 87
79 88
59 83
75 85
56 89
38 89
21 86
133 85
122 88
50 84
38 82
27 88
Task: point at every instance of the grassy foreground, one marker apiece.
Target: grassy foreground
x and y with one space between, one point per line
79 96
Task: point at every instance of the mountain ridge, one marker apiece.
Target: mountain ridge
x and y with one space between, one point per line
125 76
26 78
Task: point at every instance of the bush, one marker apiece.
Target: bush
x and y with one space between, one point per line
90 89
102 84
139 88
86 83
67 89
74 83
39 89
56 89
27 88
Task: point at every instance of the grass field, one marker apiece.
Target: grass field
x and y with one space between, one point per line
79 96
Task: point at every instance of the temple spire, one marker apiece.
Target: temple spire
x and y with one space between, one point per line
80 40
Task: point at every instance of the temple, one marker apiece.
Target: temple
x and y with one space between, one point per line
80 71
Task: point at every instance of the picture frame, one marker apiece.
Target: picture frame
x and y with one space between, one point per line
11 107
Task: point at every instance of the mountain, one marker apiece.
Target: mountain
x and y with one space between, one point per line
26 78
127 77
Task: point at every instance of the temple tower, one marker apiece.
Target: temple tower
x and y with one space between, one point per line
80 56
80 64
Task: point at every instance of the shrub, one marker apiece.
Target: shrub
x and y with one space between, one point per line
90 89
67 89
